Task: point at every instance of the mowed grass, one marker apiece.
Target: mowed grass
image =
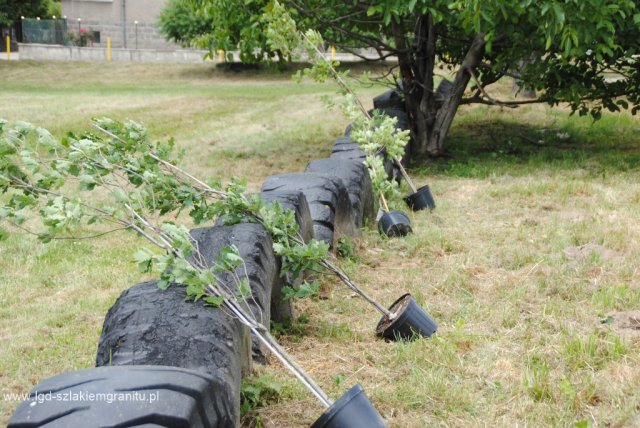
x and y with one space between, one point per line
529 262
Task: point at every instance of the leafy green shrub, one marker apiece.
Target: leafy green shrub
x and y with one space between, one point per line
180 24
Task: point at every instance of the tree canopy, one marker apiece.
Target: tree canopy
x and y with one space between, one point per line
580 52
234 26
11 11
180 23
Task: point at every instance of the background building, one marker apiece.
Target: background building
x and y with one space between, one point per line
117 19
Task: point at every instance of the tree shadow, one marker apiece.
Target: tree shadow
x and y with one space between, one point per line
481 148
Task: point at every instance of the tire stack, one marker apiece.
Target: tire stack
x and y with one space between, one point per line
186 361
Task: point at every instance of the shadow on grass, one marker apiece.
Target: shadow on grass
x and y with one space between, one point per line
481 148
285 72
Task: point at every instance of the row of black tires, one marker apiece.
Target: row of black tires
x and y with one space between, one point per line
162 361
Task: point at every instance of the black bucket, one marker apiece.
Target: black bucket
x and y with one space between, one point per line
352 410
421 200
410 323
394 223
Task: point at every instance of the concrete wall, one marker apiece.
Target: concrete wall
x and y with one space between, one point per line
106 16
32 51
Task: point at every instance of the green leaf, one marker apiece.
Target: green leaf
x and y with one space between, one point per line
607 320
559 13
306 289
87 182
45 237
229 259
213 301
164 284
244 289
144 258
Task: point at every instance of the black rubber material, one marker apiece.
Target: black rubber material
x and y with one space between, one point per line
356 178
292 200
149 326
282 309
347 130
443 91
413 322
344 143
402 124
403 118
127 397
256 248
328 202
296 201
352 410
347 149
394 224
391 99
421 200
390 168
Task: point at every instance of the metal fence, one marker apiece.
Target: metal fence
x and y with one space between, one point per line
45 31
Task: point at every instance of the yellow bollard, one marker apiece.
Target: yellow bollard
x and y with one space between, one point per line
8 48
108 49
333 52
221 55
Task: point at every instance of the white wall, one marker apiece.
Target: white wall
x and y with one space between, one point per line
37 52
106 16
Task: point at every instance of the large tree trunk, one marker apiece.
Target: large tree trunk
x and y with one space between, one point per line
447 112
430 125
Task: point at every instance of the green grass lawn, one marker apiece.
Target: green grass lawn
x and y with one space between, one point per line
529 263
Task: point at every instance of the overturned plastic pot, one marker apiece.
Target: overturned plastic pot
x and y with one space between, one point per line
422 199
394 223
352 410
411 321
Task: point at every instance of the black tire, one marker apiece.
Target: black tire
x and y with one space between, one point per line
403 118
347 130
328 201
347 149
282 310
149 326
443 91
356 178
256 248
296 201
127 397
344 143
391 99
393 172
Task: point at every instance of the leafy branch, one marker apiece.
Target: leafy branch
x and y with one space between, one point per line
36 172
376 133
157 185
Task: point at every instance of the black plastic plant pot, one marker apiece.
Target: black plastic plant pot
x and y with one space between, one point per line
411 321
352 410
394 223
421 200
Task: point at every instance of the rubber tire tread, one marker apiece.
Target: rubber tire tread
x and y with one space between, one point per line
256 248
150 326
185 398
391 99
356 178
328 201
347 149
282 310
